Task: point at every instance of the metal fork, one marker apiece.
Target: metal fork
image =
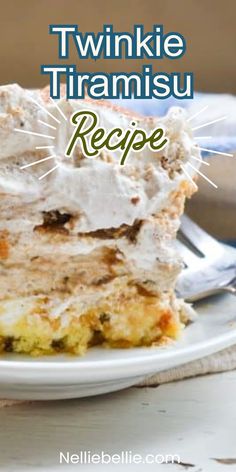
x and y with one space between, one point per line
210 267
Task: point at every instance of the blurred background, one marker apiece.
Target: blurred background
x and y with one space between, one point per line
207 25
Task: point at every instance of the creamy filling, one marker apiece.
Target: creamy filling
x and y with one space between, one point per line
101 192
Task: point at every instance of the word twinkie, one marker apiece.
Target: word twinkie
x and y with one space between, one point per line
111 44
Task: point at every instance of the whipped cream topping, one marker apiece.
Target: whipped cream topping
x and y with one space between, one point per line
98 191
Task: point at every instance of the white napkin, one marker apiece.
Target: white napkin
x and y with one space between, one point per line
219 362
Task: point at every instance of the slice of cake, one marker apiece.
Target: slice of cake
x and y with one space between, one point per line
87 250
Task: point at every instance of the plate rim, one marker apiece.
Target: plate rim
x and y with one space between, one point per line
105 369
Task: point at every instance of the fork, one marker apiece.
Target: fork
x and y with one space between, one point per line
209 266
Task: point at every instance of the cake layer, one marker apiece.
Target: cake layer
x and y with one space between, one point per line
42 263
87 253
125 317
53 257
97 192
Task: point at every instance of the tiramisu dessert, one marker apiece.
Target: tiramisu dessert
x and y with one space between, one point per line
87 254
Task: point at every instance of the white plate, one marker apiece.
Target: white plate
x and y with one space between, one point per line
105 370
